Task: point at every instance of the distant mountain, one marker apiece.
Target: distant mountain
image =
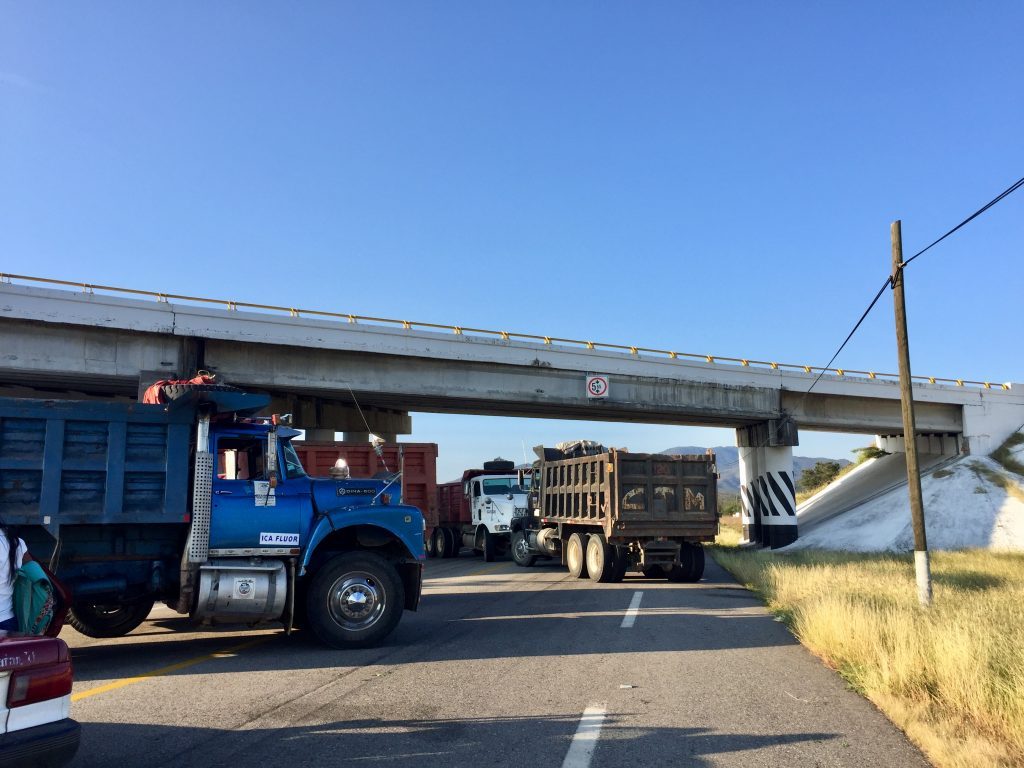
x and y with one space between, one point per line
728 459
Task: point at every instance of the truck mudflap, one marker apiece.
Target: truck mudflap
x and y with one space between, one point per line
412 580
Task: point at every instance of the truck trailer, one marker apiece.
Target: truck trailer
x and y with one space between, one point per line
478 511
202 505
610 511
411 468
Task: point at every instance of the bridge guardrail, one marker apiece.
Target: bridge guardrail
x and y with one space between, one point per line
503 335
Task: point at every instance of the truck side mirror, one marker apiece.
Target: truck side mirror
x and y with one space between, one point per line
271 462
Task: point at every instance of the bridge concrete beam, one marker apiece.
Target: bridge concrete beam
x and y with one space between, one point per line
98 344
455 386
836 413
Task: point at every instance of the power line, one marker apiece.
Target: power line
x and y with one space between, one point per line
889 280
889 283
1005 193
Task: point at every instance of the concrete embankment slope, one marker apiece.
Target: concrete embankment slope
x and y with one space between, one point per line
969 502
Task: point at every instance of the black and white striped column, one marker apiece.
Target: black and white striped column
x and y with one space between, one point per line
767 488
778 496
749 509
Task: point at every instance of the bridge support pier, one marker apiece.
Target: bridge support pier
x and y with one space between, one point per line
767 488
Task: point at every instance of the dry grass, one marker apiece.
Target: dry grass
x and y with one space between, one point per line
730 531
1004 453
952 676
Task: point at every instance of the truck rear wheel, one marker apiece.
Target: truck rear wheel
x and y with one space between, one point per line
521 550
428 545
600 559
576 555
653 572
354 600
108 620
620 564
683 571
697 572
440 543
454 542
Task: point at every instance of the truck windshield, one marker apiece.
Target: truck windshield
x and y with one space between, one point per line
292 465
501 487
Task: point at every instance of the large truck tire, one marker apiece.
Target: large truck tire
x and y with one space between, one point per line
174 391
681 572
620 564
454 542
487 546
108 620
440 538
521 550
697 570
428 545
600 559
576 555
355 600
653 572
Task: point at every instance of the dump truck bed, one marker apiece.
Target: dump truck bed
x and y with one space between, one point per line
633 495
66 462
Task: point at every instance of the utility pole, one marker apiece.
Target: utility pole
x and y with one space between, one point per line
921 565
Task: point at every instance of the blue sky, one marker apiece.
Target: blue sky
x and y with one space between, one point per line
711 177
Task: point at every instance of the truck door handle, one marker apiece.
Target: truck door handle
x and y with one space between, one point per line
224 493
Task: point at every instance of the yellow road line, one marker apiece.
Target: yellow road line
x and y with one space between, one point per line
166 670
484 569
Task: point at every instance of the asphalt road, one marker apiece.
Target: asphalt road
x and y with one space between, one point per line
502 666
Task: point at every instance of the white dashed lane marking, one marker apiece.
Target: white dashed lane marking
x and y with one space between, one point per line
630 618
581 750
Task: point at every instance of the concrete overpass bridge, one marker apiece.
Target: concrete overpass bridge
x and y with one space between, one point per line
340 372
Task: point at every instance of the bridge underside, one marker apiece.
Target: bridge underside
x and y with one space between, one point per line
49 359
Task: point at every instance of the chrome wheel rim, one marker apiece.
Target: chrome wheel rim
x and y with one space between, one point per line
357 601
521 550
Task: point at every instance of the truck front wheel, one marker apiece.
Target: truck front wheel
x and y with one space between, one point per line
97 620
487 546
355 600
521 550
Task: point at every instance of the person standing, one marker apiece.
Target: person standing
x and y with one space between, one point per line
13 554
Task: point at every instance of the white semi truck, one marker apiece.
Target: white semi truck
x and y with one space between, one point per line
478 511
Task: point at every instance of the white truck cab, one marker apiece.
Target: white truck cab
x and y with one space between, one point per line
495 498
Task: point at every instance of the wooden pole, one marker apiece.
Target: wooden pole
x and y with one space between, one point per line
921 564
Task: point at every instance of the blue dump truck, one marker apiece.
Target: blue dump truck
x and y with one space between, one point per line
205 507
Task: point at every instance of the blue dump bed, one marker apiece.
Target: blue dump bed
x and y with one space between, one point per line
66 462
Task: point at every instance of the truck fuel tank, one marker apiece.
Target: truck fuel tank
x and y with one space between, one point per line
241 591
546 541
